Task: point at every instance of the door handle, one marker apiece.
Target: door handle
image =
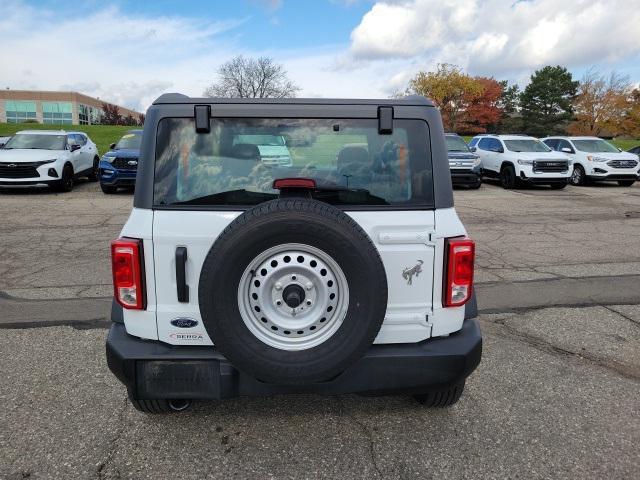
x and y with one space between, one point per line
181 274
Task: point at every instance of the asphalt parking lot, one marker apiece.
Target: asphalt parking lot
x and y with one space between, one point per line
557 394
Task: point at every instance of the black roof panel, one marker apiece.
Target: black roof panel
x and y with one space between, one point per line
178 98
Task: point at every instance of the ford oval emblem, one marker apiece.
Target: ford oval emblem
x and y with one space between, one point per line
184 322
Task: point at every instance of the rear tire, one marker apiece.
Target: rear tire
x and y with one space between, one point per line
441 398
93 176
65 184
108 189
508 177
578 176
626 183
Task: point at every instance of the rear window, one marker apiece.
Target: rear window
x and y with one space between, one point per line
236 163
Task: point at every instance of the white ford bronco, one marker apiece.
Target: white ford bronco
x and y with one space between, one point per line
346 270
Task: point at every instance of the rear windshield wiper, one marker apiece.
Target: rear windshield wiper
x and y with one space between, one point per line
232 197
334 193
329 193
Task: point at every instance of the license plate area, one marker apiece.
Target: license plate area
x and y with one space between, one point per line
178 379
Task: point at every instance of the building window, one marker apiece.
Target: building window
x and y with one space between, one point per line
57 112
18 111
88 115
96 115
83 114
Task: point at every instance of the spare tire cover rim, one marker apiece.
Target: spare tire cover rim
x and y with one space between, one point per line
266 312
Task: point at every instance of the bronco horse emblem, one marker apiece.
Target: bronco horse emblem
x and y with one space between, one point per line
408 273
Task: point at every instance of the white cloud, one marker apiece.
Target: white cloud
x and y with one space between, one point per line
131 59
405 29
124 59
125 93
318 77
496 36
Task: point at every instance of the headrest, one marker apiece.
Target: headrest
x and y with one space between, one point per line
352 155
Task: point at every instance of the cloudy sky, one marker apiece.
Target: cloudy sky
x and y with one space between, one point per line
131 52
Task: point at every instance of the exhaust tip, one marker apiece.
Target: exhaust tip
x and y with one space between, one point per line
179 405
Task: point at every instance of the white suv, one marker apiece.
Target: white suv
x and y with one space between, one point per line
595 159
346 271
518 159
48 157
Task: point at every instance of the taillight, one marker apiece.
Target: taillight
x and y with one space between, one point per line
458 284
128 274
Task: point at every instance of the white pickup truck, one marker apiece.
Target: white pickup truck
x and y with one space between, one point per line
346 270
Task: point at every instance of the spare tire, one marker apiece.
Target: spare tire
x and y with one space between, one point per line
293 291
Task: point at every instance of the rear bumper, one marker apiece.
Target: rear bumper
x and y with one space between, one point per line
154 370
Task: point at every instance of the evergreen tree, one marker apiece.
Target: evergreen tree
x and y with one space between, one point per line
547 101
509 103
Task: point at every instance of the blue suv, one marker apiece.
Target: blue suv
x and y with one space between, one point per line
118 167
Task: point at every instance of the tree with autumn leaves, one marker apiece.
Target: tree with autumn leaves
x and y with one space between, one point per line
467 104
606 106
552 102
111 116
630 125
482 112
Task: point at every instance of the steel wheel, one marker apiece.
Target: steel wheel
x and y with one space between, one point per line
293 297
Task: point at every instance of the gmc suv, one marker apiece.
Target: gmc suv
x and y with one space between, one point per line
518 159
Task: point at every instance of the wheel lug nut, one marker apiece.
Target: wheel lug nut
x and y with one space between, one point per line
309 285
308 302
278 302
293 277
278 286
